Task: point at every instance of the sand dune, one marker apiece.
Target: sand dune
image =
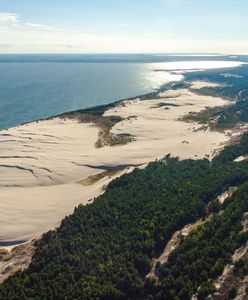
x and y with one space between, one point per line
28 212
41 162
203 84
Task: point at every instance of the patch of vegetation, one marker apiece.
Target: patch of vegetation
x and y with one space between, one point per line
104 124
203 117
107 138
95 178
241 268
98 110
231 152
211 91
232 293
3 252
221 118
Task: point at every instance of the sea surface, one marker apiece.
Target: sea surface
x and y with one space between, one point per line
39 86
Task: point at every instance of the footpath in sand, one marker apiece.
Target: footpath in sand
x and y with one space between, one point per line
44 164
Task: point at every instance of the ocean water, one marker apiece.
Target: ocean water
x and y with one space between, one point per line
39 86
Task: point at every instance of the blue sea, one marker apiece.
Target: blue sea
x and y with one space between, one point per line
39 86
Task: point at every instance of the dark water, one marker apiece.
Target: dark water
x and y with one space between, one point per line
38 86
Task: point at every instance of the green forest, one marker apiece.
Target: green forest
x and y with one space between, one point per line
104 250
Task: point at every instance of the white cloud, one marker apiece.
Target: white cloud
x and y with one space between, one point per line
18 36
35 25
9 18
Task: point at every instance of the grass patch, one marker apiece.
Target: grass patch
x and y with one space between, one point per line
95 178
216 118
104 124
203 117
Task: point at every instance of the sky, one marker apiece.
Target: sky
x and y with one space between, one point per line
124 26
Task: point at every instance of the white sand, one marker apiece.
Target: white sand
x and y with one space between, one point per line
28 212
196 85
158 131
41 161
45 152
